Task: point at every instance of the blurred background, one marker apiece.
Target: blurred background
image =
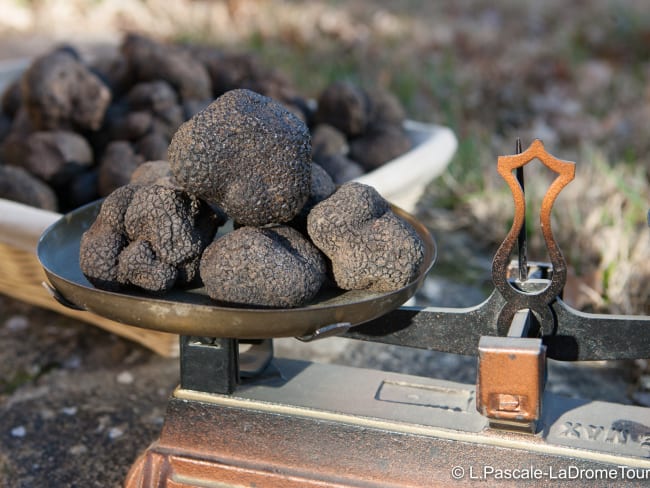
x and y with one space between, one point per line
574 74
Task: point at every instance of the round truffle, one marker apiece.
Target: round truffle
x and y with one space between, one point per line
343 105
52 156
149 60
384 108
340 168
327 140
116 166
61 93
18 185
247 154
379 146
263 267
370 247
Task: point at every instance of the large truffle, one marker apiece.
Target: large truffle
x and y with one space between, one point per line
150 237
369 245
247 154
263 267
61 93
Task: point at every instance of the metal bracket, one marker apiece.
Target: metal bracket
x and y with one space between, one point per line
54 293
511 377
331 330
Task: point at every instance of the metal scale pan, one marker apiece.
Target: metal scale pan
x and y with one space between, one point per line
192 312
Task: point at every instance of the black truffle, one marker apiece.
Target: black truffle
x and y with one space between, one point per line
150 237
247 154
327 140
263 267
59 92
153 172
118 163
11 99
103 242
343 105
18 185
384 108
340 168
379 146
322 187
149 60
53 156
158 99
369 245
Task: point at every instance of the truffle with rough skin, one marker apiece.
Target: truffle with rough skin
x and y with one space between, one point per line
153 173
384 108
59 92
149 60
103 242
52 156
378 146
150 237
327 140
322 187
263 267
370 247
340 168
18 185
248 155
159 99
118 163
153 146
343 105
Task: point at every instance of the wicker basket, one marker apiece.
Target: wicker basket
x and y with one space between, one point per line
22 277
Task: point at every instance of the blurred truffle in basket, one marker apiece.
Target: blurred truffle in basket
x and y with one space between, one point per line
82 127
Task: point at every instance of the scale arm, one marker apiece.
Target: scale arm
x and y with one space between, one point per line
453 330
577 336
591 337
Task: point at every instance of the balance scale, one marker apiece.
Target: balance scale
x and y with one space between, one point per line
243 418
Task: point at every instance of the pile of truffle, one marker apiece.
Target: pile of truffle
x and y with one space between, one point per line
250 158
72 131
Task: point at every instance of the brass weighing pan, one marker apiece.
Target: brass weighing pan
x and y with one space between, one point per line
192 312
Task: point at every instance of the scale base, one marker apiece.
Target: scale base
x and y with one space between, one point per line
304 424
